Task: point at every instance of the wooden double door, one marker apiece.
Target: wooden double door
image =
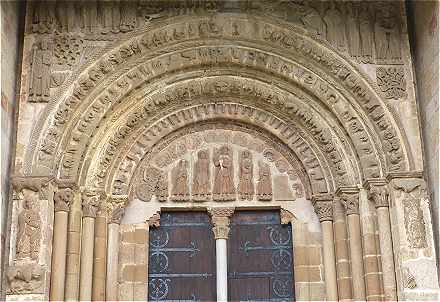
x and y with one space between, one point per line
182 260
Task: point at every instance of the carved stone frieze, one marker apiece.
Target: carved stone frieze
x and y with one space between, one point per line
220 218
25 278
63 198
391 81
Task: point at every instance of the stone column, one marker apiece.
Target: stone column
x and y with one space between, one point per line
342 252
324 209
62 200
350 199
115 216
379 195
100 252
220 220
413 241
73 250
89 208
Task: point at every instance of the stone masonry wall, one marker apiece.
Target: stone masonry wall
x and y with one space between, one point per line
11 38
423 21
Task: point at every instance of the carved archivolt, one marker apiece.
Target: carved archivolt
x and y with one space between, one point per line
337 73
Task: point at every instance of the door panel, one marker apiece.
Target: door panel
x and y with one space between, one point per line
182 258
260 263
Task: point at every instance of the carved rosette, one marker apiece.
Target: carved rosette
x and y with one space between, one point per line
62 200
220 220
323 205
379 195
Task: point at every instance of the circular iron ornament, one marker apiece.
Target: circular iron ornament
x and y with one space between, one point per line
282 288
159 262
279 235
158 288
281 260
159 238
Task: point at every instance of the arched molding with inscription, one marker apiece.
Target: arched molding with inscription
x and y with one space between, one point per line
335 76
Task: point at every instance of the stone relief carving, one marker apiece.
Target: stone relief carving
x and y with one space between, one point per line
350 202
387 35
246 185
67 49
180 189
334 20
90 201
224 188
116 212
409 281
29 227
286 216
412 192
220 218
324 210
379 195
264 184
154 182
25 278
62 199
391 81
40 79
201 189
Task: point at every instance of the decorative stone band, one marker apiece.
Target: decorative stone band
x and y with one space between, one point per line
62 199
116 208
220 220
323 204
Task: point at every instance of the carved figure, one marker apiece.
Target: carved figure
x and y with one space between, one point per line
246 185
366 33
335 27
89 16
179 176
39 87
352 29
110 16
264 184
414 222
312 20
153 182
29 227
387 35
24 278
43 17
128 16
202 177
66 16
391 82
224 189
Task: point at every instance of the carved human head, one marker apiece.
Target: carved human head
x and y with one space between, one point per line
203 154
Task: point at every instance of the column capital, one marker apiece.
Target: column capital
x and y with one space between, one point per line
379 195
62 199
323 204
115 212
90 201
349 197
220 220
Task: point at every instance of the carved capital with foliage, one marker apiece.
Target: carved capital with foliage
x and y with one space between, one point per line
63 199
220 218
379 195
116 208
90 202
323 204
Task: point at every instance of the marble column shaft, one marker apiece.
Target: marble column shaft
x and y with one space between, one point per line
99 256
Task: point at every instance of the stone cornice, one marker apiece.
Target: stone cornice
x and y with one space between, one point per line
406 174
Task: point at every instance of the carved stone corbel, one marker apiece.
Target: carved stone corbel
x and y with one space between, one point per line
154 220
323 205
286 216
220 219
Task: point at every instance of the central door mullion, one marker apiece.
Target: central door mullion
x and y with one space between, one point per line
220 220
